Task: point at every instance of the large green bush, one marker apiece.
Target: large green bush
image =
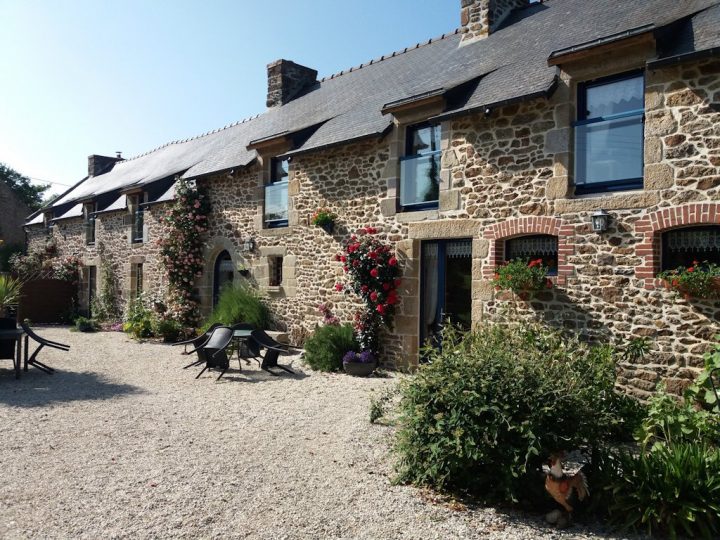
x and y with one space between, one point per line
240 303
492 404
325 348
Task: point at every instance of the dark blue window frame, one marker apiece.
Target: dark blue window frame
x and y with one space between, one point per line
411 154
583 120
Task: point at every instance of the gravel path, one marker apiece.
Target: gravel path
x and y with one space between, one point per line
122 443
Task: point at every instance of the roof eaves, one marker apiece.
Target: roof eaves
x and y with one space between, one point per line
301 151
489 106
559 55
413 101
683 57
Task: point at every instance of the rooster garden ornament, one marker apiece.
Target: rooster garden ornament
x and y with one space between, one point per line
560 484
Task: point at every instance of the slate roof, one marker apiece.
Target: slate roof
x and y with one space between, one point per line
510 64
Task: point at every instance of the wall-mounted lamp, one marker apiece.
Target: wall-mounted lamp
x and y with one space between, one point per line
249 244
600 221
487 111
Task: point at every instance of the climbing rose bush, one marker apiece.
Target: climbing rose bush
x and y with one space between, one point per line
181 251
373 274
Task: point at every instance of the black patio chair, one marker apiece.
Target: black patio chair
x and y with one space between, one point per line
272 351
7 345
32 359
214 350
196 342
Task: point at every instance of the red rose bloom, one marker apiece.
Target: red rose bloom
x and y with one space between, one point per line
691 269
374 272
373 296
392 261
364 288
386 286
397 282
338 287
343 259
380 309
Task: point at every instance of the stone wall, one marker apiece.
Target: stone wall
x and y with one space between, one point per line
111 239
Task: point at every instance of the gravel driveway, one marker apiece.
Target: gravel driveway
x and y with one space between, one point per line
121 442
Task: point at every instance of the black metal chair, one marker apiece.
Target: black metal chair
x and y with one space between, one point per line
272 351
7 345
32 359
196 342
214 350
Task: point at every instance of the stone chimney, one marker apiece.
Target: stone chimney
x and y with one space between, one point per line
286 80
98 165
480 18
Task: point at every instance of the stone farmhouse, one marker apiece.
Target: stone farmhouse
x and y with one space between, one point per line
498 140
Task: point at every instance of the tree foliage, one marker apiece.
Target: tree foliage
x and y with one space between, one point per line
31 195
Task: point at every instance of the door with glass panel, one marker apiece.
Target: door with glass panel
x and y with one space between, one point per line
446 287
223 275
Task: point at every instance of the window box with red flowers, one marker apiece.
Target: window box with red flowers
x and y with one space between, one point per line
522 277
325 219
700 280
374 275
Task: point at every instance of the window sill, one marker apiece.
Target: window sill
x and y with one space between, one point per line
276 231
417 215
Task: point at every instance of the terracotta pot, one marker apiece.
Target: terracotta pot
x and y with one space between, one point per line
359 369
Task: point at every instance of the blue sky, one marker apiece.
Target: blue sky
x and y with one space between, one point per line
87 77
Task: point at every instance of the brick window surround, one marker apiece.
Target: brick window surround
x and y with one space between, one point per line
512 228
651 226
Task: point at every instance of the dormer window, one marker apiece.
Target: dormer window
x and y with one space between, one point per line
420 168
89 223
609 134
276 194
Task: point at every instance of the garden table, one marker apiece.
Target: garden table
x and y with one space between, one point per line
16 334
240 337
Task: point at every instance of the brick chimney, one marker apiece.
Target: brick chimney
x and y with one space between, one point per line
479 18
286 80
98 165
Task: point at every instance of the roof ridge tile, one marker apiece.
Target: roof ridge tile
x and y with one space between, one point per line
180 141
391 55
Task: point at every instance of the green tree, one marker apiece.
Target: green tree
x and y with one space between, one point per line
30 194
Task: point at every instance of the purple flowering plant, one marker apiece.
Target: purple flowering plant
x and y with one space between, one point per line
365 357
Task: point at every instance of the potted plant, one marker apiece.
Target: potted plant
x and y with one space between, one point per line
359 364
9 294
243 270
522 277
325 219
699 280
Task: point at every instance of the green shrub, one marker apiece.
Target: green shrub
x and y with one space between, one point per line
83 324
240 303
139 319
168 329
670 420
673 489
493 403
325 348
